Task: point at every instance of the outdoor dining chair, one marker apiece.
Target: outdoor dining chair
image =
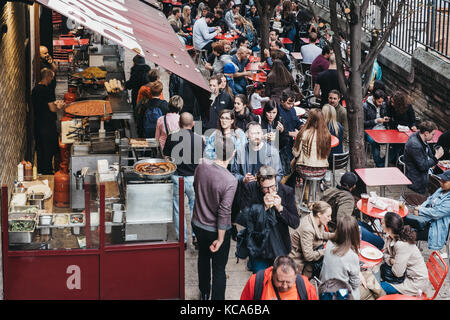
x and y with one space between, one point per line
340 161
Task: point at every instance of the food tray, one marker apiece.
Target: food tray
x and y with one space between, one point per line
89 108
23 209
74 217
61 219
21 225
21 216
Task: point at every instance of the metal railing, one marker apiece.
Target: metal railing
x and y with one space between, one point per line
423 23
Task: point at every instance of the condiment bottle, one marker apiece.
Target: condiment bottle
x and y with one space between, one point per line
28 176
34 172
20 172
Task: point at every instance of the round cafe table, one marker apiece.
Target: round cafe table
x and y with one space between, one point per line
398 296
227 36
334 141
259 77
442 166
368 263
375 213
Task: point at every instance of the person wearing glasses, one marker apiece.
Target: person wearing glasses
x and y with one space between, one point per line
279 282
267 211
340 260
226 128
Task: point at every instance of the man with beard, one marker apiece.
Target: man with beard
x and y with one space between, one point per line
203 35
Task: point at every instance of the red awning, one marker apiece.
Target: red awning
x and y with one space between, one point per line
136 26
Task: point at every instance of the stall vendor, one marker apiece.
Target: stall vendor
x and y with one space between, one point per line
45 107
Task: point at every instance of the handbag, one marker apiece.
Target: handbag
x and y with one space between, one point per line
388 276
315 266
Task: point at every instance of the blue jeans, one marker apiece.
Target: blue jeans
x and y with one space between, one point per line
369 235
189 191
388 287
240 85
379 162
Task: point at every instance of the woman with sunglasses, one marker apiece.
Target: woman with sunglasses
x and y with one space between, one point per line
341 259
403 258
309 238
226 127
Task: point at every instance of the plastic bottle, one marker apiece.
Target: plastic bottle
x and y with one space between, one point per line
101 131
28 175
20 172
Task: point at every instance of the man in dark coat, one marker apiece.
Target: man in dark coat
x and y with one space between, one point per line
138 77
274 204
419 158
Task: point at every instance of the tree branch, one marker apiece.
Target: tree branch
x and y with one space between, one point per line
337 49
379 45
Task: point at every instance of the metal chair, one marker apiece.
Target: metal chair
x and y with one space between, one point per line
200 56
340 161
437 271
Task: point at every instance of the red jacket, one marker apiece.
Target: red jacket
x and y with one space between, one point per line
269 294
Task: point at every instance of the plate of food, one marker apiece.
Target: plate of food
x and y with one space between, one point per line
371 253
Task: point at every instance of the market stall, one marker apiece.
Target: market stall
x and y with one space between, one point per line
102 227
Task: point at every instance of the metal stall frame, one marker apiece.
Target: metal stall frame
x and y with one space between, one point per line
120 272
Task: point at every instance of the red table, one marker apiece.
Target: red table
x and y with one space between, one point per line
174 3
440 165
387 137
256 66
334 141
375 212
259 77
70 42
227 36
435 137
381 177
368 263
398 296
254 59
297 55
286 41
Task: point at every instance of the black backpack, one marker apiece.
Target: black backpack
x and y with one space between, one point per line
301 288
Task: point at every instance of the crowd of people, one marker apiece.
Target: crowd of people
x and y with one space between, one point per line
251 151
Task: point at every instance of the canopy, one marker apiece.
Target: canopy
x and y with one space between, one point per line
136 26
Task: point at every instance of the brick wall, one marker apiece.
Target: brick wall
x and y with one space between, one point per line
426 79
13 98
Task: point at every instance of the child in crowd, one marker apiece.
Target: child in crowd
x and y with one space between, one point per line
256 100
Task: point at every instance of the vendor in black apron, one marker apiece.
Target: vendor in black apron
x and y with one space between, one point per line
45 107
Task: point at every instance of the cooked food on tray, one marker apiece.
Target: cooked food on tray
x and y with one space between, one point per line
155 168
91 73
61 219
76 218
89 108
21 225
139 143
